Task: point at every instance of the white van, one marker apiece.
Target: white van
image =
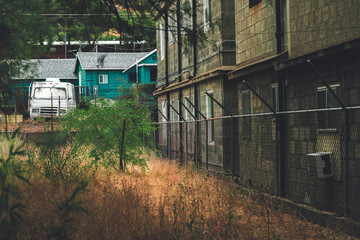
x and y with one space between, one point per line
51 98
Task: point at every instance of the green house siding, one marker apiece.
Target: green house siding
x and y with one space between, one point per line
116 79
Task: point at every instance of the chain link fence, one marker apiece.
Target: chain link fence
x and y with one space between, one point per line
308 156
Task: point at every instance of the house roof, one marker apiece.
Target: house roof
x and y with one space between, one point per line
107 61
49 68
139 60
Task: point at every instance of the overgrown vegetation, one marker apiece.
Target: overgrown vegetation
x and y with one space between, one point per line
73 189
112 133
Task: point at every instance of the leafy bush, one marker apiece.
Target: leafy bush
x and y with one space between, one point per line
102 127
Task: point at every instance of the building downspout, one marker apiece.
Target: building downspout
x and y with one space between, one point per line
168 129
194 25
179 46
166 49
196 89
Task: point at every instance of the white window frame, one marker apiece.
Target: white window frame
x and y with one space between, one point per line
334 87
170 30
246 121
187 105
185 23
163 119
163 111
275 96
162 41
207 14
210 113
191 17
173 115
105 78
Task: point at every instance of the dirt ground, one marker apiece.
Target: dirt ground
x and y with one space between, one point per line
26 126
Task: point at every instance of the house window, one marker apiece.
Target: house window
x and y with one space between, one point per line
103 79
163 117
153 74
246 109
207 15
327 119
253 3
132 77
184 23
173 115
210 114
187 105
163 111
187 115
162 41
275 97
171 29
191 14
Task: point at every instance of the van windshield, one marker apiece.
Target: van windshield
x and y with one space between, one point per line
45 93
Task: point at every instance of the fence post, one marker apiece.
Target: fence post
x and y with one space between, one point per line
186 141
6 122
121 165
59 107
154 137
51 113
346 149
207 145
232 146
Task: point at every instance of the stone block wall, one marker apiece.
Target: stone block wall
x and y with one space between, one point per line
315 25
257 154
255 29
303 135
216 147
222 13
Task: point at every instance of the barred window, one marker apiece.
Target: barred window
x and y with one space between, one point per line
207 15
246 109
327 119
210 114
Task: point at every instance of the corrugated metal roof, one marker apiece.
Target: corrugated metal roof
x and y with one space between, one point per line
50 68
107 61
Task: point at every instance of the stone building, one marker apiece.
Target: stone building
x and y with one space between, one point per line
291 53
292 85
190 66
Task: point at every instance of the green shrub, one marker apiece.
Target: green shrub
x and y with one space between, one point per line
101 130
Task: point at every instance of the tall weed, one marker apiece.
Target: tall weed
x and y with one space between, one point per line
11 171
59 161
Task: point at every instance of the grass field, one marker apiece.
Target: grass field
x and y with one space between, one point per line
167 201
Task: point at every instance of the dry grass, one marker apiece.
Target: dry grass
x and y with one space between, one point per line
167 202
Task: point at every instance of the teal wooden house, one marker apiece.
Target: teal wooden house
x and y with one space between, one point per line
104 73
